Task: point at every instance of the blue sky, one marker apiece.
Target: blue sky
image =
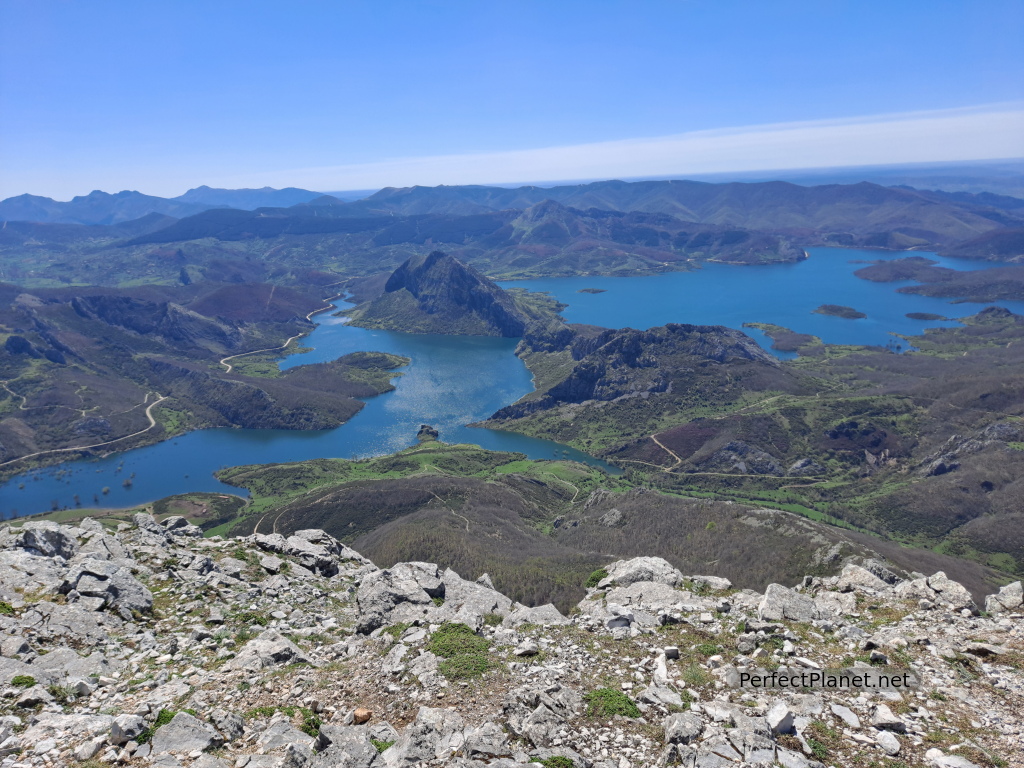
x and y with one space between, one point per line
162 96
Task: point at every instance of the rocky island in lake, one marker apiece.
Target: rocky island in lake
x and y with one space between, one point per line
838 310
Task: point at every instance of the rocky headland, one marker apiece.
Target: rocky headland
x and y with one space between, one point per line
149 645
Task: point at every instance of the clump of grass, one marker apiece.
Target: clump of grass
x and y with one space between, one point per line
707 649
465 653
163 718
23 681
381 745
260 712
6 609
607 702
62 694
696 676
492 619
253 617
311 722
822 740
397 630
557 762
453 639
596 578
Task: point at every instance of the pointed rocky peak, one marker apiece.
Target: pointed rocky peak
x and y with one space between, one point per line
437 293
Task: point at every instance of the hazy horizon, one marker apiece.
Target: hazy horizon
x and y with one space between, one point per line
1009 170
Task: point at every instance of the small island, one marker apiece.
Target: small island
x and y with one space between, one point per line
591 290
837 310
785 340
927 316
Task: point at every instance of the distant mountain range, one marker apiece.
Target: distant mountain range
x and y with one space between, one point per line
678 216
608 227
105 209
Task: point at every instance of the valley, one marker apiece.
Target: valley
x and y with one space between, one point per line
778 385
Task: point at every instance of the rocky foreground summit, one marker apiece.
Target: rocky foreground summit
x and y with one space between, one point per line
149 645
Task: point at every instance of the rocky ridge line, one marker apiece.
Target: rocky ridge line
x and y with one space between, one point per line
149 645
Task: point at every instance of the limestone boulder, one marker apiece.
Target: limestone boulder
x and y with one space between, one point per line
781 603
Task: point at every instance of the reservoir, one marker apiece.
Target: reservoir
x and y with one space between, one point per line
453 381
782 294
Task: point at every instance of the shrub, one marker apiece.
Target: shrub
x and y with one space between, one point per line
465 653
596 578
607 702
310 722
23 681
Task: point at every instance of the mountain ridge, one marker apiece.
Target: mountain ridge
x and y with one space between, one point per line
104 208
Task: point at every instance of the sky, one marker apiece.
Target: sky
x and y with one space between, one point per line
161 96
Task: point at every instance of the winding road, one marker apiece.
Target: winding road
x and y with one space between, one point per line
149 415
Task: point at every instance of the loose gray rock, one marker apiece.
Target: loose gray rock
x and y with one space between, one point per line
270 649
888 742
185 734
344 746
883 718
656 569
436 734
45 539
682 728
230 725
847 715
1009 598
780 718
126 728
781 603
109 581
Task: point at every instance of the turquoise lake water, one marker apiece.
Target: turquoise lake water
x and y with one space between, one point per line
784 294
456 380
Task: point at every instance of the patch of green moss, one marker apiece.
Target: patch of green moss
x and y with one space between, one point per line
607 702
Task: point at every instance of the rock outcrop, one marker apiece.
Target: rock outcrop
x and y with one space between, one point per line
149 645
439 294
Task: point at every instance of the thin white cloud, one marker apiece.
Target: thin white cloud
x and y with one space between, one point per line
974 133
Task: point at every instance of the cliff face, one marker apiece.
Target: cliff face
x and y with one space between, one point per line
167 320
440 294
